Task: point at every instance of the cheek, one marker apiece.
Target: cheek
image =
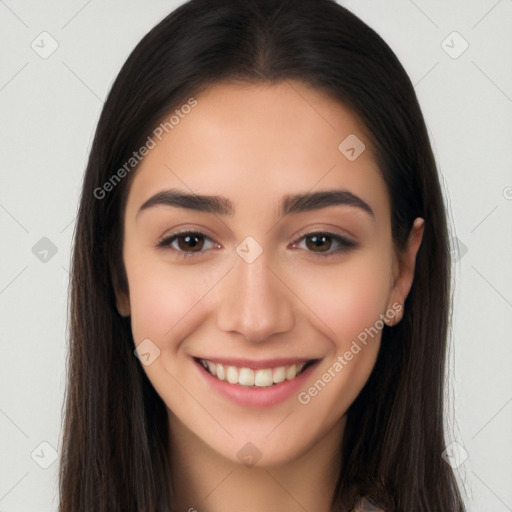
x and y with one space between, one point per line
166 308
350 301
158 299
165 299
347 298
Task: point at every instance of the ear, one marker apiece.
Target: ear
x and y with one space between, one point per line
122 299
403 272
122 303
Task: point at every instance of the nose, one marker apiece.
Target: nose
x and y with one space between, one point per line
255 301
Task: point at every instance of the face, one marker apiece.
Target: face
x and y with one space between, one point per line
282 298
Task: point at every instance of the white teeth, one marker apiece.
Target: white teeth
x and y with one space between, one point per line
211 367
232 375
262 377
290 372
246 377
220 373
278 374
300 366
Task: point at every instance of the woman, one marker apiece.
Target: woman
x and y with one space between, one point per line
260 282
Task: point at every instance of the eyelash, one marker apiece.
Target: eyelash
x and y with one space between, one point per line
344 243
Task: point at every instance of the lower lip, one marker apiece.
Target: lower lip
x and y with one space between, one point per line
256 396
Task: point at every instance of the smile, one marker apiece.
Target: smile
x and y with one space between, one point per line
254 377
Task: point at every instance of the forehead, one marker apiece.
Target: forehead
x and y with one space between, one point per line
255 143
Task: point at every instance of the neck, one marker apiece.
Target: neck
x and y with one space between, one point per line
205 481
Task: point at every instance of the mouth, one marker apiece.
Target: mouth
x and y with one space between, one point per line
251 377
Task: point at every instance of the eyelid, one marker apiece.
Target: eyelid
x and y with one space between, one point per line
345 242
165 241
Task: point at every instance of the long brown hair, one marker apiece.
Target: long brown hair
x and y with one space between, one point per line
115 449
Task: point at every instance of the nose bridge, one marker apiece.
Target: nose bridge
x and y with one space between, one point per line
254 302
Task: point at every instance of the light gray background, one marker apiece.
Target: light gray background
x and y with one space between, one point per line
49 110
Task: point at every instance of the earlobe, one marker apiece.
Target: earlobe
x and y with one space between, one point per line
122 295
403 282
122 304
394 314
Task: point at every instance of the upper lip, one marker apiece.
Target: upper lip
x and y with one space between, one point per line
257 363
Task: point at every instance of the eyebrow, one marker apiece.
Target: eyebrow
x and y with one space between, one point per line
291 203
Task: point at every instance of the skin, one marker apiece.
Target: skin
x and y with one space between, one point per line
253 144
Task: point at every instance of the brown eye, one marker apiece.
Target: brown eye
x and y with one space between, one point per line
187 243
322 242
325 244
190 242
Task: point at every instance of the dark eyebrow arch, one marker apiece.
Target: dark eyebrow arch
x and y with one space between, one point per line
290 204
